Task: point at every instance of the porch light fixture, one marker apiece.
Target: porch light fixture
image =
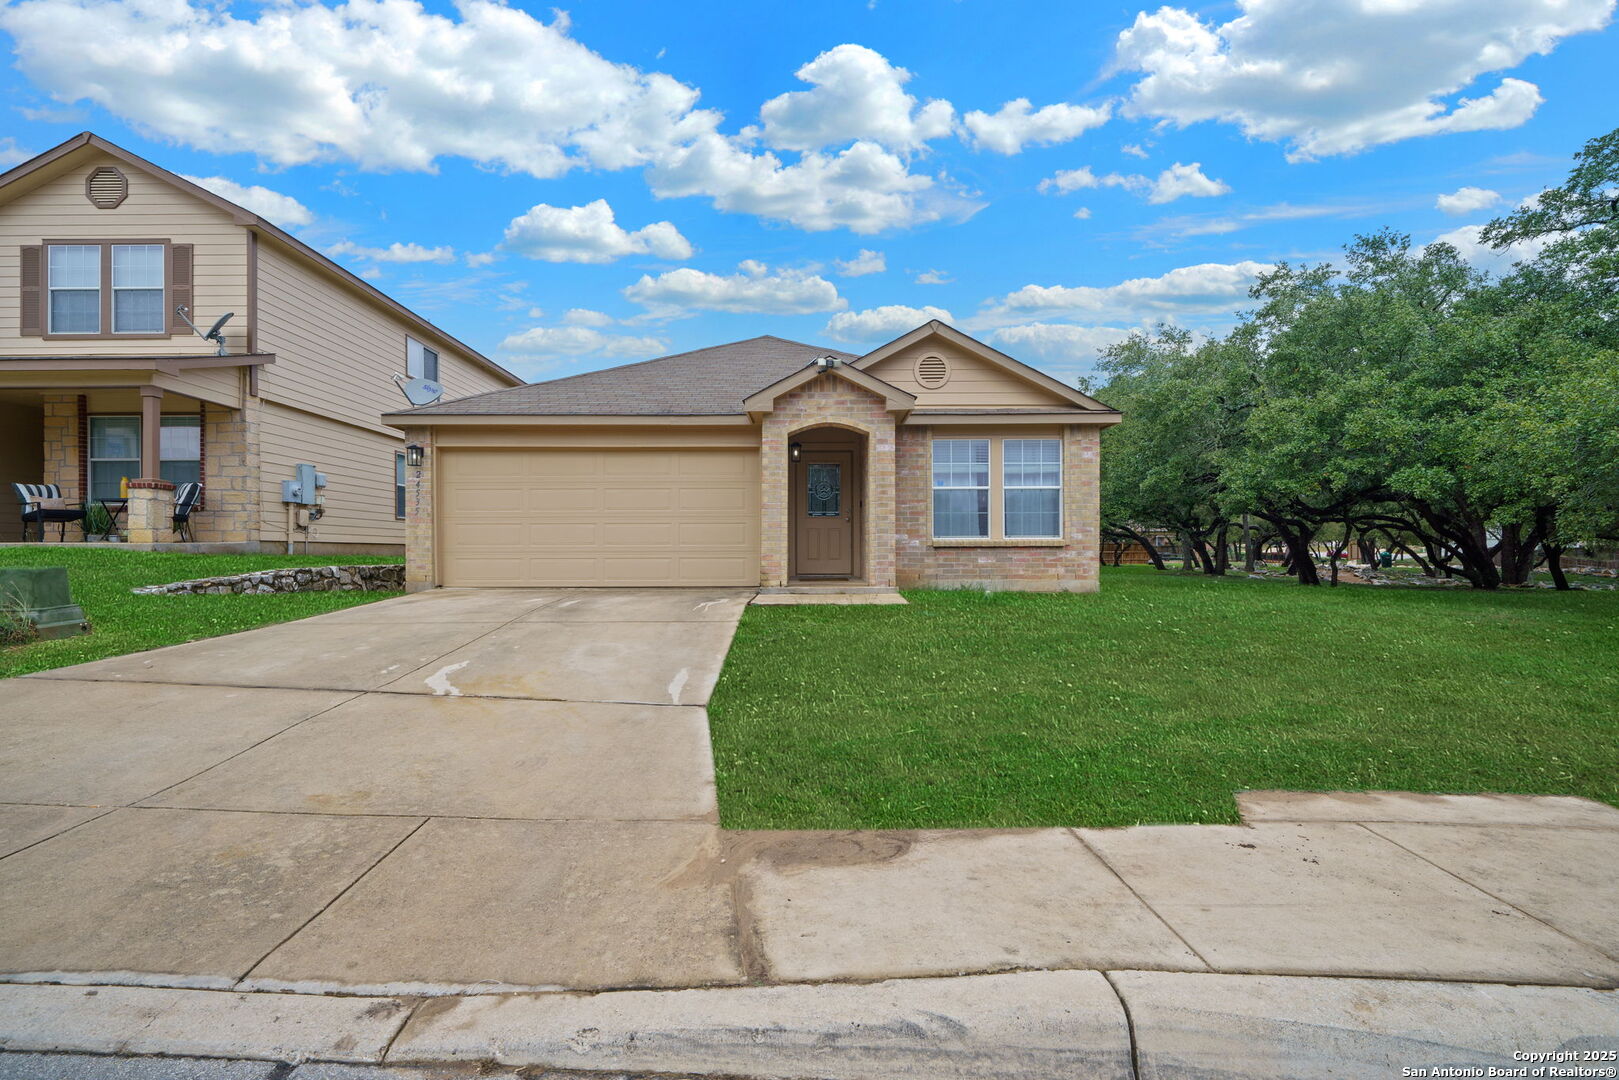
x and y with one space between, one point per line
413 456
795 450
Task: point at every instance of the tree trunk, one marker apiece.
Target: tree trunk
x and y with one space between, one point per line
1222 561
1148 547
1554 565
1247 545
1188 556
1302 561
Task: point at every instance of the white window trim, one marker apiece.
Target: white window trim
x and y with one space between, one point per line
996 537
111 284
51 290
988 487
401 486
416 353
1062 463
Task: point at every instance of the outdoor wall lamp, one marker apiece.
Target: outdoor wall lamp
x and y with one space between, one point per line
795 450
413 456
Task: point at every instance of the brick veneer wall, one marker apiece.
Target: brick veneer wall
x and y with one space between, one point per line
1000 564
828 399
420 565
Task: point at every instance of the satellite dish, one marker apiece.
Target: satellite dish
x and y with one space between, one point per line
213 333
419 391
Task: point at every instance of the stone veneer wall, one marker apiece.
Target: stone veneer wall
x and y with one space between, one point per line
59 424
230 482
830 400
384 577
420 571
1068 566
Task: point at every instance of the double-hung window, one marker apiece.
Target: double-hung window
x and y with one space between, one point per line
105 289
1031 493
137 289
74 280
960 487
399 486
997 489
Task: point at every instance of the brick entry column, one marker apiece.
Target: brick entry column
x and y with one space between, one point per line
421 568
827 400
151 512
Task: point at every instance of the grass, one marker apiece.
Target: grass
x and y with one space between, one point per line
1157 699
121 622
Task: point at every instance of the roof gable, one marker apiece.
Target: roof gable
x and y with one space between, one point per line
976 374
895 399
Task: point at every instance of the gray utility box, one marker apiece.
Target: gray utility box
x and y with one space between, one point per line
305 488
39 596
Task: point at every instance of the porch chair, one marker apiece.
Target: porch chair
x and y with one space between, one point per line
186 497
43 502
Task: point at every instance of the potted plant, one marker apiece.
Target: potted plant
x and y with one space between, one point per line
97 522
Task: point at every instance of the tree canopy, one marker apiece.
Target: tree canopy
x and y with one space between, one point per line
1471 419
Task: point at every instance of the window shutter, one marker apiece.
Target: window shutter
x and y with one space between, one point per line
31 322
180 287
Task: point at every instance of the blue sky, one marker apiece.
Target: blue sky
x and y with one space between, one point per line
570 191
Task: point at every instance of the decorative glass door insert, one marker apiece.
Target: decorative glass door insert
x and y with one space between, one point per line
825 497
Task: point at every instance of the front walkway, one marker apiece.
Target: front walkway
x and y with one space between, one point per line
490 792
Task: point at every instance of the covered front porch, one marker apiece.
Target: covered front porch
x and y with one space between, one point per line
117 436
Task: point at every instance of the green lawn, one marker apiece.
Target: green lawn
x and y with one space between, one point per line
122 622
1158 699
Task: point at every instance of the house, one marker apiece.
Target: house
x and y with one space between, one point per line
934 460
102 253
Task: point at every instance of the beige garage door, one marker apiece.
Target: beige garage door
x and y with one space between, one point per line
599 517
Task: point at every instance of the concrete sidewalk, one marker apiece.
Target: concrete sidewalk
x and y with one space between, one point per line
481 825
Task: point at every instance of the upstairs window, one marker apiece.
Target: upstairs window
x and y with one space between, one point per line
137 288
421 361
105 290
75 287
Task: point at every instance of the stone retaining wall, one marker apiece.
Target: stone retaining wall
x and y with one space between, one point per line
388 577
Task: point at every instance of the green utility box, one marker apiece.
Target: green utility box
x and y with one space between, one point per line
40 597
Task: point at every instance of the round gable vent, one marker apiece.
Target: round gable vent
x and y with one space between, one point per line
932 372
106 187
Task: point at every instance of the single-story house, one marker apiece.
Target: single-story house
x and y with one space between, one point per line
104 256
934 460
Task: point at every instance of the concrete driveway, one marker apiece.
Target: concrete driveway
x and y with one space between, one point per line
468 794
455 787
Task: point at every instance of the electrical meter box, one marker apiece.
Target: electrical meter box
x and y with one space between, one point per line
306 487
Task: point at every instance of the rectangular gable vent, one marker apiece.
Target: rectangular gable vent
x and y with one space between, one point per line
106 187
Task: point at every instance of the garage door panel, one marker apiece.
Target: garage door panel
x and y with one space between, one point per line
599 517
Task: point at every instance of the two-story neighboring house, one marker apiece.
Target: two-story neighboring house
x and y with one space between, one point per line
101 380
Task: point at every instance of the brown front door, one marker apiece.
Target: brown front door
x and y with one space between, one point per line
825 504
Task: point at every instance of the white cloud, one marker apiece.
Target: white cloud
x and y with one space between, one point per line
1083 213
12 154
882 323
1467 199
856 94
1134 150
548 342
933 277
394 253
480 258
866 262
389 85
586 317
1205 288
863 188
1173 183
1337 76
753 289
270 205
1474 251
1179 181
1066 347
588 234
1018 124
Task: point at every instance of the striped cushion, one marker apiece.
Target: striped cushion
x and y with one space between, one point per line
29 494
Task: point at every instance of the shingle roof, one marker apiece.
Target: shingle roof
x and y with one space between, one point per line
703 382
